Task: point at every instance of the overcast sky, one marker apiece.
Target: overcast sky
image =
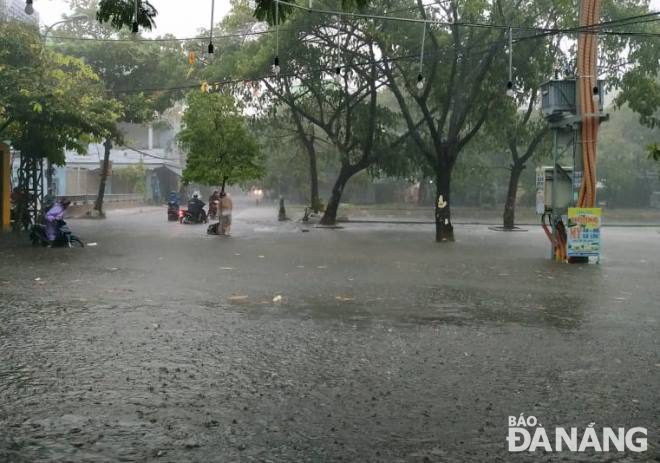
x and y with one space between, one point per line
181 18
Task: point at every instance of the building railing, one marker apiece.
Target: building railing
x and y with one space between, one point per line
77 200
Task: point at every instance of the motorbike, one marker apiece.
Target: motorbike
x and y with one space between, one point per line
187 218
214 206
172 211
64 238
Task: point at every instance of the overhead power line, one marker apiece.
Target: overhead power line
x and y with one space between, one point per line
596 28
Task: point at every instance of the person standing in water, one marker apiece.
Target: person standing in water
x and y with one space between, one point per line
226 206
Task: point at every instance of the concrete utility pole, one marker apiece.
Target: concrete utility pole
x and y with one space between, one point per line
573 108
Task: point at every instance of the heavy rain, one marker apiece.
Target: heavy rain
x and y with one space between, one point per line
323 231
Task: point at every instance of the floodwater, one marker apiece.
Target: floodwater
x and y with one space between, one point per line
369 343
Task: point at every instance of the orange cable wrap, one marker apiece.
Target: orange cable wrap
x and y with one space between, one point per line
588 78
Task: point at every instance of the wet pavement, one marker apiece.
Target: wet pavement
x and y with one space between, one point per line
283 343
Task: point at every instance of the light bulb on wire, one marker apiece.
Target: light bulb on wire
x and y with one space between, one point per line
276 65
420 81
136 28
596 96
338 74
509 89
29 9
211 48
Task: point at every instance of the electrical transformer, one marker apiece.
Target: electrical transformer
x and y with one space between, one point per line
544 185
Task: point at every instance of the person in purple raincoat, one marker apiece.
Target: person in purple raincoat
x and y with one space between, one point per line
55 214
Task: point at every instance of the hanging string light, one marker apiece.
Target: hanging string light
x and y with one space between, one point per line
211 48
29 9
276 61
596 97
135 17
420 76
338 74
509 85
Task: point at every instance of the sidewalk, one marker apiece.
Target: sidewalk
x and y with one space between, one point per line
401 214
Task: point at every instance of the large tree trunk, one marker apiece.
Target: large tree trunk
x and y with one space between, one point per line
314 181
104 177
330 215
444 230
510 204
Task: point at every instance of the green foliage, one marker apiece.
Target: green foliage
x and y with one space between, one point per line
623 166
654 151
265 10
49 101
120 13
127 67
640 84
133 177
220 148
641 92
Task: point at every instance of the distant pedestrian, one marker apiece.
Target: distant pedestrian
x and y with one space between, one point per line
226 206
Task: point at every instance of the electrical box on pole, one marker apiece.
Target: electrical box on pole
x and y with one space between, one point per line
558 186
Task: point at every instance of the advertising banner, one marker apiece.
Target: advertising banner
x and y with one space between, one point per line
584 238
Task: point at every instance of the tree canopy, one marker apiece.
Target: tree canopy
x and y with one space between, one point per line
221 150
49 101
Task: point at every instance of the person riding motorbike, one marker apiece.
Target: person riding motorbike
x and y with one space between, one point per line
173 206
196 208
53 218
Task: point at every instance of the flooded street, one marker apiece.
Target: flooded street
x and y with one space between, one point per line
284 343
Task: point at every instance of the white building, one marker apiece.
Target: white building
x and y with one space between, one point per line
149 147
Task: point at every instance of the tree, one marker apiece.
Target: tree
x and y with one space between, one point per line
464 73
120 13
458 89
129 70
289 141
49 101
623 169
221 151
342 107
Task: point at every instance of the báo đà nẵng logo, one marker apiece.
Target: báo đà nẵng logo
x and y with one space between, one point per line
527 434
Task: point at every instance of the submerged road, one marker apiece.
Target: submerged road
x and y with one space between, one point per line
369 343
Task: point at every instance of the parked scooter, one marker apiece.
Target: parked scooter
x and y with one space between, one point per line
172 211
64 239
173 207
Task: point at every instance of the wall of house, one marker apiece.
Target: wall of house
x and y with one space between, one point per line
137 135
79 181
